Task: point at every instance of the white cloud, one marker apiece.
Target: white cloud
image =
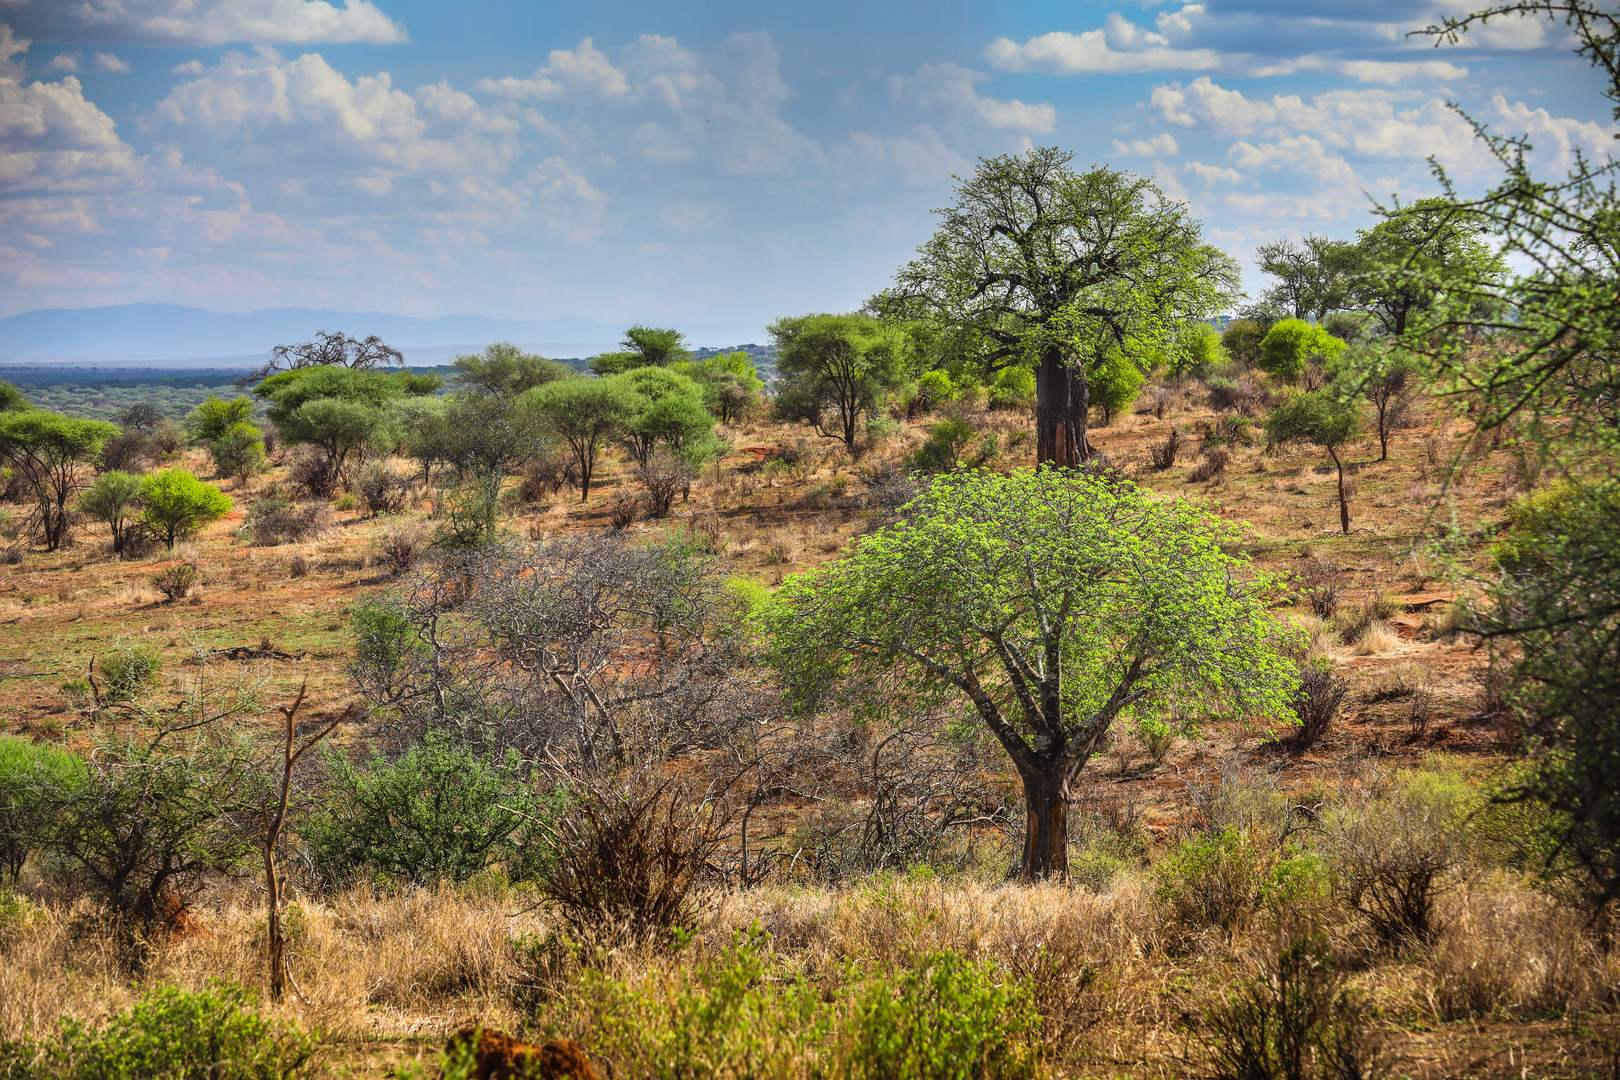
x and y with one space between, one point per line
919 159
1063 53
1399 73
52 140
301 117
110 64
10 46
1161 145
68 61
208 22
585 68
950 88
1213 174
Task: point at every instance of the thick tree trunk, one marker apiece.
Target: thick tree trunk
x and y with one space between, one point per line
1061 401
1046 832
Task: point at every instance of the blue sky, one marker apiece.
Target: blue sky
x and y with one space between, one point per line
702 163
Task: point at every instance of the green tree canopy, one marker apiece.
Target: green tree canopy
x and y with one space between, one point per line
586 413
1038 265
503 370
114 499
52 453
1323 417
1313 277
177 504
214 417
1115 382
341 410
1053 605
11 398
729 381
238 451
1288 346
836 368
1422 254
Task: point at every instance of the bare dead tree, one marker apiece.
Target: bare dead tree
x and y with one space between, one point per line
335 348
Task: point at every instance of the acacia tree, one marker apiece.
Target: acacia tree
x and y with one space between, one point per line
334 349
835 368
1039 266
52 452
1321 417
1415 258
586 413
1053 604
1541 350
1313 277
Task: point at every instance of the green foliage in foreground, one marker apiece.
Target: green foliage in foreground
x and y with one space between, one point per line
170 1034
441 810
942 1017
28 772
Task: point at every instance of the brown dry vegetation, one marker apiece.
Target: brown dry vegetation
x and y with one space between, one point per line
1514 985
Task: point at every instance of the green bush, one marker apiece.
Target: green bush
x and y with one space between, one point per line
178 504
1538 523
942 450
1288 347
1222 879
29 773
943 1018
435 812
170 1034
129 669
1014 388
239 452
1113 386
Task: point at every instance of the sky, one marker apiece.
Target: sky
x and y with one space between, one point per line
718 163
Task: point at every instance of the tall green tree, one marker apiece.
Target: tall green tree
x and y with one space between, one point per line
1539 350
340 410
1313 277
1038 265
643 346
53 454
216 416
1053 605
835 370
672 414
586 413
1426 253
503 370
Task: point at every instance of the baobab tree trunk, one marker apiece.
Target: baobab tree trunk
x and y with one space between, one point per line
1046 832
1061 403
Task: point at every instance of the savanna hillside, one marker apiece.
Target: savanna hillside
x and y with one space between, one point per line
1030 681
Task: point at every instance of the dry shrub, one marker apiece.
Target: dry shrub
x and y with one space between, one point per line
313 474
273 521
626 861
1514 952
1377 639
175 582
1163 453
544 477
1235 395
297 567
1320 587
382 490
1317 703
622 513
397 547
1213 465
128 451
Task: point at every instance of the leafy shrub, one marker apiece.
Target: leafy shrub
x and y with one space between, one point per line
943 1017
1537 522
941 451
29 772
274 520
129 669
1114 385
177 504
1014 388
171 1034
114 499
1221 879
382 490
934 388
1289 346
175 582
433 813
238 451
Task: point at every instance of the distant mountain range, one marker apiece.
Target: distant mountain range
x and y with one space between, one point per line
171 335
